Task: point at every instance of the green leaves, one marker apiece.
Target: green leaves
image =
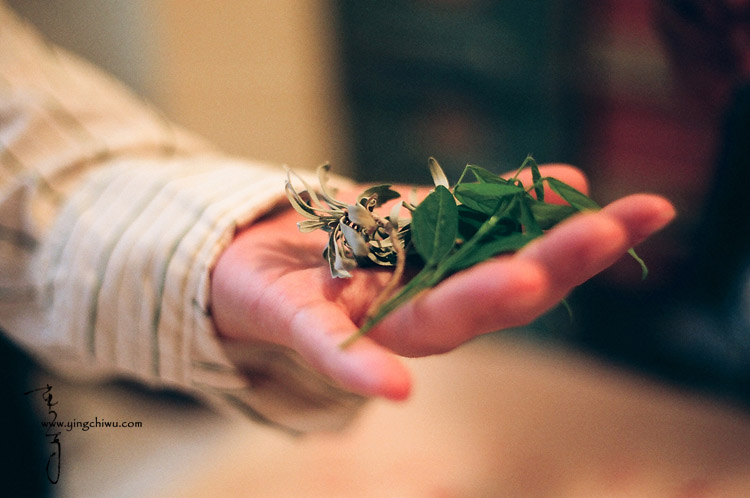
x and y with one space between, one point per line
536 177
490 249
577 199
481 175
548 215
484 197
434 225
483 216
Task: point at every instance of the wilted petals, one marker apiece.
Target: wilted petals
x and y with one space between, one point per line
338 270
328 193
308 226
330 254
382 256
298 204
341 264
361 216
381 193
393 215
313 196
413 199
355 240
438 176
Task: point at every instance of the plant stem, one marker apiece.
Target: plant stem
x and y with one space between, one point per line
393 282
414 286
428 277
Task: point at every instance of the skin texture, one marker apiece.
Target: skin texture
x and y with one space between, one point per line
272 285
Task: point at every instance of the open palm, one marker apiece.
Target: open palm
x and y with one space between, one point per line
272 285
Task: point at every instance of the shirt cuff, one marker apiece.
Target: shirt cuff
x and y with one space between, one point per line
126 273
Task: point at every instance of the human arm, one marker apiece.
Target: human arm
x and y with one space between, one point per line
118 225
111 218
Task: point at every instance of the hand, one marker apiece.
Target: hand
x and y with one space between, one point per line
272 285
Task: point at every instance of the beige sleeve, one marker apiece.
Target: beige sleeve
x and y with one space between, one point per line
110 221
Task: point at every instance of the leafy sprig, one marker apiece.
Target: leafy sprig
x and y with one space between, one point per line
451 230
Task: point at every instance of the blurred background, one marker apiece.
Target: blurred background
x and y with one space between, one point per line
378 86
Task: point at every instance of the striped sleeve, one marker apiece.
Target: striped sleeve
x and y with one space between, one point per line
111 219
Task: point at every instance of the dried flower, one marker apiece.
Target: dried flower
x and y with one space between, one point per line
358 236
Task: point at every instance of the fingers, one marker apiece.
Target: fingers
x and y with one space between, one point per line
581 249
511 291
496 294
586 244
365 367
641 215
